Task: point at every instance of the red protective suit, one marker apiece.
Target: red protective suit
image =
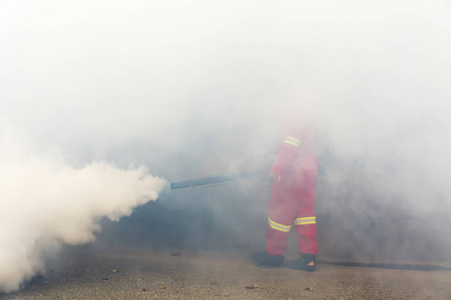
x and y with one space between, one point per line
293 196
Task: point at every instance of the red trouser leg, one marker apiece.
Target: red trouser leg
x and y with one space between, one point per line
281 214
293 197
306 218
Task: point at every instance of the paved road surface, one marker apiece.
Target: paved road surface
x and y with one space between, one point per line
156 274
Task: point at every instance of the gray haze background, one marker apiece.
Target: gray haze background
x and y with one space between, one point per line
191 89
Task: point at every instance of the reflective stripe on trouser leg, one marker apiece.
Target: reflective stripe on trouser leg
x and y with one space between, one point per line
279 227
306 228
305 221
277 237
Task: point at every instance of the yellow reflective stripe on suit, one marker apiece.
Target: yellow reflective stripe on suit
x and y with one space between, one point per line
305 221
277 226
292 141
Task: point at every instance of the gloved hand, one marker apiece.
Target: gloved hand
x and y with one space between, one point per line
274 175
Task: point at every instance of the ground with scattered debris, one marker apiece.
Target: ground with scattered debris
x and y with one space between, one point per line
182 274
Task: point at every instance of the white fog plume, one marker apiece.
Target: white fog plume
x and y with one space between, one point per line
45 202
142 81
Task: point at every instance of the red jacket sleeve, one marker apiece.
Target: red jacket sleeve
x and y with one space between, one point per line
287 151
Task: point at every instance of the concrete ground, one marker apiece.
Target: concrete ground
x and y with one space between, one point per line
135 273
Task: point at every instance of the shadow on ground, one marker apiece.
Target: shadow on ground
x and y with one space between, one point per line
386 266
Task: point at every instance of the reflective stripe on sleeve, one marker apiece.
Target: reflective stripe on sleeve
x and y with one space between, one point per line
305 221
277 226
292 141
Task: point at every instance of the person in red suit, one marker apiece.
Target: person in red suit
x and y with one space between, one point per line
295 172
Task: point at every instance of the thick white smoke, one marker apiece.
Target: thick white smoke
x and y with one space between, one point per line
140 81
45 201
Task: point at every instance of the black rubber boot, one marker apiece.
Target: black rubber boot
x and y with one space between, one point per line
264 259
302 263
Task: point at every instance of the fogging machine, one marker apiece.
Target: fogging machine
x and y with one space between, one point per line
219 179
222 179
